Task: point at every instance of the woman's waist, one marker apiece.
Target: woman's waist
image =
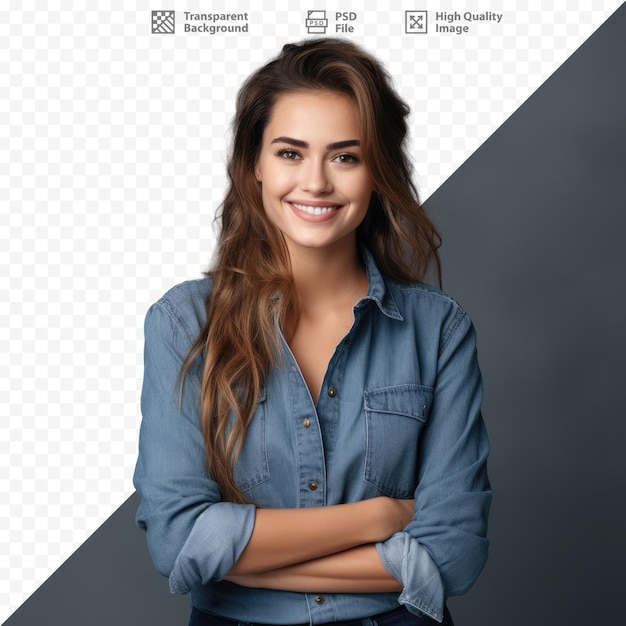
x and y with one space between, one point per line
286 607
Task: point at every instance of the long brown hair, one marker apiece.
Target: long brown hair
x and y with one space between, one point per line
252 293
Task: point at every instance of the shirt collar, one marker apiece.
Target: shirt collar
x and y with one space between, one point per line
378 290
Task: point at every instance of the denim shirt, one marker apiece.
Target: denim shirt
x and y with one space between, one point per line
398 415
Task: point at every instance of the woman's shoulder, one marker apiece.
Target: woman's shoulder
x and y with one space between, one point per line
436 317
184 306
189 291
423 294
431 309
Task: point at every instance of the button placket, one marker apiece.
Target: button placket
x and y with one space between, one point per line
309 446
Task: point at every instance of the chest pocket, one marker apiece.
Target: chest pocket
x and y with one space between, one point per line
252 467
394 418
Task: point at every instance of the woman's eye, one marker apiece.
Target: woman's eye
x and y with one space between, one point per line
346 158
288 154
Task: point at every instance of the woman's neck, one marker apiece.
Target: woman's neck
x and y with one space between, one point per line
327 277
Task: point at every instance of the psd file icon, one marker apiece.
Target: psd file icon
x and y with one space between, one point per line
316 22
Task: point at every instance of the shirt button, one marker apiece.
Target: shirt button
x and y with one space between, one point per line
332 392
320 599
312 485
306 422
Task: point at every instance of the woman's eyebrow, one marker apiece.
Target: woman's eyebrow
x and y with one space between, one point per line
343 144
338 145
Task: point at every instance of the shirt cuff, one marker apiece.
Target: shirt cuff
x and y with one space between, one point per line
410 564
216 542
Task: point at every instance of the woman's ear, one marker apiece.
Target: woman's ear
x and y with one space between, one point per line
257 172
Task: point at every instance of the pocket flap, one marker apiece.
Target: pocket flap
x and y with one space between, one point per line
408 400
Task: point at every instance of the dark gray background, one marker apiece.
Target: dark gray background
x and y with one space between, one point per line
533 225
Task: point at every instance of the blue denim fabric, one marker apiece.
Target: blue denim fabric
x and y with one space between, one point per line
397 617
398 415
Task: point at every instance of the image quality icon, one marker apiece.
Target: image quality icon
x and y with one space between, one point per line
416 22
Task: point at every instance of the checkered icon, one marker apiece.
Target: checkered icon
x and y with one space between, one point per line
163 22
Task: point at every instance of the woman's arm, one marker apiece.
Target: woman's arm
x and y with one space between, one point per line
357 570
443 548
283 537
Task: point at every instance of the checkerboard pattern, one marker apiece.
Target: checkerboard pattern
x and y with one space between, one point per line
112 165
164 22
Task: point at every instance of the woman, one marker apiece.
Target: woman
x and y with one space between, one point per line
312 448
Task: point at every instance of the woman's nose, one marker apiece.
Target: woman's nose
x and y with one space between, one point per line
315 178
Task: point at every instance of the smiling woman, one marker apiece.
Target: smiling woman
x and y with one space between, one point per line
315 187
312 448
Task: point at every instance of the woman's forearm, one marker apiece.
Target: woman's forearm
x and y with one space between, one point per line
356 570
283 537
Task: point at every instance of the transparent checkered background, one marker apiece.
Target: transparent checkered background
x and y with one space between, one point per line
112 147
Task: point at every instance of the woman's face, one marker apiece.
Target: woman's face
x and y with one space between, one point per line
315 186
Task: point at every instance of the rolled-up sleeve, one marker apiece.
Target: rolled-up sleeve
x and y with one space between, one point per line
193 536
443 549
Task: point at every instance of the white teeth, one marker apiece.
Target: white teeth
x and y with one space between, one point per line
314 210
